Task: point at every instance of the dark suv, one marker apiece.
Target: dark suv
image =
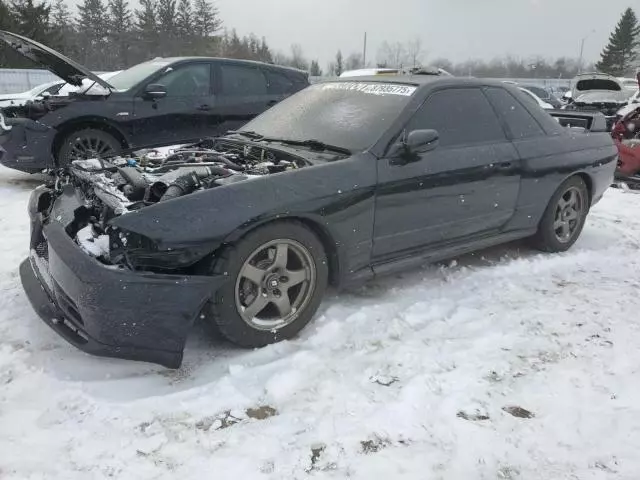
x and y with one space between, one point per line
160 102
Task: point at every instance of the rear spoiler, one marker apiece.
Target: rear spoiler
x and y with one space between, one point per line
592 122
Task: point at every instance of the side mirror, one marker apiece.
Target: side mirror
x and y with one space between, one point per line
409 148
154 91
421 141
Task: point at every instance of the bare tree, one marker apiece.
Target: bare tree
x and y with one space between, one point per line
414 51
392 54
297 58
353 62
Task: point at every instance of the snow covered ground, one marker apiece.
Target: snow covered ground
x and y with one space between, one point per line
416 376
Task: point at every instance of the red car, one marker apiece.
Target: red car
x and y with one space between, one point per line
626 134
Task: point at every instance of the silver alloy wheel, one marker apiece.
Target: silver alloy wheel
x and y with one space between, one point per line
275 284
88 146
569 211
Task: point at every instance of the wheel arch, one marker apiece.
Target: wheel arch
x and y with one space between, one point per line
318 229
81 123
588 182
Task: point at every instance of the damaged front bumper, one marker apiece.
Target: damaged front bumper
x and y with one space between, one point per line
104 310
26 145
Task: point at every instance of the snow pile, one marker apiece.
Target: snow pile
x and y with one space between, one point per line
95 245
505 364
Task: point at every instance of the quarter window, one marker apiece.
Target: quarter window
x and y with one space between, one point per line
519 121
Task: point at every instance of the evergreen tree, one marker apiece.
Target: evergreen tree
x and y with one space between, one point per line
167 26
619 56
206 19
120 33
264 52
339 64
184 27
8 57
33 20
314 69
147 30
62 25
93 29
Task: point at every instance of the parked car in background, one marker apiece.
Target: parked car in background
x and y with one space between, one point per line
344 181
162 101
629 84
395 71
544 95
537 100
36 93
598 92
626 133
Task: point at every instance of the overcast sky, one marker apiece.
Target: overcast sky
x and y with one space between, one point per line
456 29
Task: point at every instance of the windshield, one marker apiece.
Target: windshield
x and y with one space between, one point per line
351 115
540 92
134 75
598 84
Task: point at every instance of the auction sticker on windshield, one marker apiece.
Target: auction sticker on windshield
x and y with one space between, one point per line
373 88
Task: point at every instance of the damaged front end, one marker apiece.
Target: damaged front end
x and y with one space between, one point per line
112 188
96 277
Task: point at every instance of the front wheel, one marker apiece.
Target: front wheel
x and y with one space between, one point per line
277 278
564 218
87 143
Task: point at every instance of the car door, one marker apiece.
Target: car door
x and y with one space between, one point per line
186 113
243 93
464 188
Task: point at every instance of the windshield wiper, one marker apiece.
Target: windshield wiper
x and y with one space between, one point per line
311 143
246 133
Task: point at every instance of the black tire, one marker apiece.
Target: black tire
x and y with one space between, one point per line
78 144
226 311
552 234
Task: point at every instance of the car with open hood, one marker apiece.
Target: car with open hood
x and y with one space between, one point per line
36 93
598 92
162 101
345 180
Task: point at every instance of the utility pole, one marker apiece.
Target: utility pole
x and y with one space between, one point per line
584 39
364 52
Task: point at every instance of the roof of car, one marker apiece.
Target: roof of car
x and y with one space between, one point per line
419 80
234 60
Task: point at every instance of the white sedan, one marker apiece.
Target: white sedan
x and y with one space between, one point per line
537 99
17 99
56 88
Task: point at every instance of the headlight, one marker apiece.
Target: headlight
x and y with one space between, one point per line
142 253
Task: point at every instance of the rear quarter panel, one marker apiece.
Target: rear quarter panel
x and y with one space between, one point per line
549 161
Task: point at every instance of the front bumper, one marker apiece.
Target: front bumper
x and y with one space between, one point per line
27 146
104 310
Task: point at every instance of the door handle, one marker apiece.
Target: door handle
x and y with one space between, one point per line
204 107
505 165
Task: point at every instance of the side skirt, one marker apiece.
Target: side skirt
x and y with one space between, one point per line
449 251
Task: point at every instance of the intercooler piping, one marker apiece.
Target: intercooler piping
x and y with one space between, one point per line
186 183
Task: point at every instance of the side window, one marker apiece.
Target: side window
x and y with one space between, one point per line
193 80
461 116
519 121
278 83
242 80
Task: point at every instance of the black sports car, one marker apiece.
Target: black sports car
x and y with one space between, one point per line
343 181
162 101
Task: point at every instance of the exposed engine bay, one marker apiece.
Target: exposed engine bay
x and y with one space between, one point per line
118 185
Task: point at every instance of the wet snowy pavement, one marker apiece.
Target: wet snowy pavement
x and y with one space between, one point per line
503 364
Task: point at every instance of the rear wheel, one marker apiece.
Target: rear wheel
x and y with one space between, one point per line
87 143
277 278
564 218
